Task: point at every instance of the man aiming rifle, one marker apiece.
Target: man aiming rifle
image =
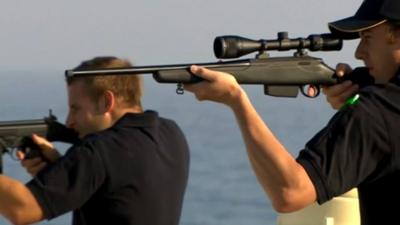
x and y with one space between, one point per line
359 147
130 167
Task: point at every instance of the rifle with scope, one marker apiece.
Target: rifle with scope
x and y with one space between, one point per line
16 135
281 76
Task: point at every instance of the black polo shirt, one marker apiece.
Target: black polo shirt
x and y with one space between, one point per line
360 147
133 173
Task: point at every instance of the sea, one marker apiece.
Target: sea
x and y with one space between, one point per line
222 188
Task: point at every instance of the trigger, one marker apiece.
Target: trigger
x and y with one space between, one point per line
310 91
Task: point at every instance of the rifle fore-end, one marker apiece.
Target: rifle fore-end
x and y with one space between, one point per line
285 71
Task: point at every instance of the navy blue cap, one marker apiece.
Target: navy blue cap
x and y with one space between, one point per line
370 14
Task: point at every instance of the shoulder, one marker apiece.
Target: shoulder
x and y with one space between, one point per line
379 94
98 139
372 100
169 123
363 119
131 130
163 124
89 146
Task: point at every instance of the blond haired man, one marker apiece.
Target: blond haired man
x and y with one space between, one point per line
130 167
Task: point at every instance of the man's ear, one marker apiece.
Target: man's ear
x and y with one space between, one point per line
108 101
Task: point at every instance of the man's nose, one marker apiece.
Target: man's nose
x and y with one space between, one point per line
360 52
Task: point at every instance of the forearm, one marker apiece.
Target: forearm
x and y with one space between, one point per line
283 179
17 203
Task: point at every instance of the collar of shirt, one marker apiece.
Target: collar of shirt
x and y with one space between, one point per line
148 118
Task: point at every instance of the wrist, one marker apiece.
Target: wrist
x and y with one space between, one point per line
238 98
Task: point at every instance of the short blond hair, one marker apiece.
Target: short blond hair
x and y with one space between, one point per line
127 89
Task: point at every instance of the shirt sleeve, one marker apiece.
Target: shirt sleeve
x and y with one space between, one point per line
347 152
67 184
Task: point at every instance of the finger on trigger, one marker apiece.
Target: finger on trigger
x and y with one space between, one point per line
20 155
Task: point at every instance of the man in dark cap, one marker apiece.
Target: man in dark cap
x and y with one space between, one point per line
370 15
360 146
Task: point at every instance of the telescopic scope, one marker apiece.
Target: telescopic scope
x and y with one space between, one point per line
230 46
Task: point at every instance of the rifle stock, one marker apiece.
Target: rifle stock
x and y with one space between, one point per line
269 71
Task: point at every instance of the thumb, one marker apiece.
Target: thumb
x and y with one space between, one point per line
48 151
20 155
204 73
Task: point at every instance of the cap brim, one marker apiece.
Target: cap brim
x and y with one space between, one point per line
350 27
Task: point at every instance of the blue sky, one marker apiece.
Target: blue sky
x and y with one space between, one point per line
59 34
